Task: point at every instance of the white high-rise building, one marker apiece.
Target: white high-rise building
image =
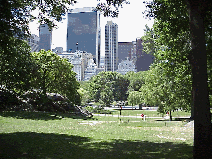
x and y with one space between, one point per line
90 70
111 46
33 42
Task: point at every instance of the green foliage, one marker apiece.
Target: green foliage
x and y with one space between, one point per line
54 74
15 66
134 98
84 96
8 100
168 82
98 110
136 80
107 87
166 92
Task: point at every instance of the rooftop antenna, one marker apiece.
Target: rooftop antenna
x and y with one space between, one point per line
77 45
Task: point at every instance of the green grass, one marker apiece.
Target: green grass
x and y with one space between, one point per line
149 113
44 135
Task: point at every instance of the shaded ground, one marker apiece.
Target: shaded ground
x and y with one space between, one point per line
44 145
41 115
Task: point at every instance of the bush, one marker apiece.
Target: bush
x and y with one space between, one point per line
51 102
98 110
9 100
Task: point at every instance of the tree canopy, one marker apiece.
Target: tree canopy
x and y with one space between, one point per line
54 74
107 87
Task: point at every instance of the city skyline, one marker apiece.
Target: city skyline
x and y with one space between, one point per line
83 30
124 21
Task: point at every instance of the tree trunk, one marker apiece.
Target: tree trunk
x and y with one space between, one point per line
198 61
192 106
170 115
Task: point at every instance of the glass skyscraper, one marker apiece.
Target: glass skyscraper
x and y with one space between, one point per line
45 37
83 31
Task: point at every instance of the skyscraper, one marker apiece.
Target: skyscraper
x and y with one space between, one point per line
45 37
143 60
124 50
33 42
83 27
111 46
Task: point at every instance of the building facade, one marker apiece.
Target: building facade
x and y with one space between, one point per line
124 50
66 55
126 66
45 37
76 60
134 51
111 46
33 42
80 60
90 70
83 29
133 56
143 60
58 50
86 59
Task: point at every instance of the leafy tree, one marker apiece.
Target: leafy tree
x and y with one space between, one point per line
134 98
167 92
16 66
15 16
106 94
121 84
136 80
171 60
108 86
194 17
54 74
84 96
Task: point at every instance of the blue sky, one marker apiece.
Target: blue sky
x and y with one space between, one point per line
131 23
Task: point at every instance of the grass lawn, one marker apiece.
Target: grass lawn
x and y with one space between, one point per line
149 113
44 135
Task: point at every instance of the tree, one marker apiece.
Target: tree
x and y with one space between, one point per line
136 80
198 60
15 60
134 98
170 74
167 92
16 66
106 94
54 74
108 86
195 16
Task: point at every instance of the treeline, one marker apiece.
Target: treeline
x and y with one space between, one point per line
36 81
149 88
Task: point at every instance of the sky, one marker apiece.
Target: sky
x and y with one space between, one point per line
131 23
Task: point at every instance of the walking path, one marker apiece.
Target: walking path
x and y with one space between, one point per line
134 116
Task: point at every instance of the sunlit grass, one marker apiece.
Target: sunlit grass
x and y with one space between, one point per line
150 113
101 137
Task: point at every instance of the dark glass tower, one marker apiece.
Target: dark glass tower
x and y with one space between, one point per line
83 26
45 37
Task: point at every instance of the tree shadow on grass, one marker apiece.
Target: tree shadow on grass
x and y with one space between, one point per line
53 146
41 115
